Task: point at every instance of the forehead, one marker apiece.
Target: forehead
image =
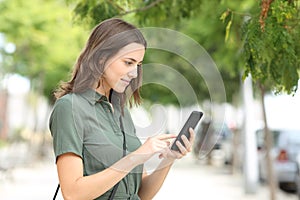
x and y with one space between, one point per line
133 50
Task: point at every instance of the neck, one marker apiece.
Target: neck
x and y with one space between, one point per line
103 90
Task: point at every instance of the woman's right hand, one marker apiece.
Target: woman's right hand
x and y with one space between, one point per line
154 145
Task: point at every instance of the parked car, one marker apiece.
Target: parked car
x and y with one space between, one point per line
285 155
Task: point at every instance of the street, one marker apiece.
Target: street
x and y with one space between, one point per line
188 179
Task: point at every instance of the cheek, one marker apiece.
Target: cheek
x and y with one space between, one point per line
115 72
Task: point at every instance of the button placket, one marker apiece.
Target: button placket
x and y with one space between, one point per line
107 108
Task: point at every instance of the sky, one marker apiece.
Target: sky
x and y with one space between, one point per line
283 111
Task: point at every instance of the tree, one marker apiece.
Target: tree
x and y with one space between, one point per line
271 50
276 28
183 16
46 41
47 44
145 12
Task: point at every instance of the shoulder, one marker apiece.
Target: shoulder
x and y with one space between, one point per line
62 106
73 106
63 101
68 101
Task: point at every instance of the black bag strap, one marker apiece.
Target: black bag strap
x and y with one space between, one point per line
113 192
56 191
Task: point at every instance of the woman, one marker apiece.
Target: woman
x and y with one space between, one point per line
98 155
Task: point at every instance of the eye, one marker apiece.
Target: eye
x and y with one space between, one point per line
140 64
128 63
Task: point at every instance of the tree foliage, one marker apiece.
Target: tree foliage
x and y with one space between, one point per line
193 18
47 45
163 12
171 69
272 48
46 42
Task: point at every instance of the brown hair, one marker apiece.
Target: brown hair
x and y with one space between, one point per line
106 39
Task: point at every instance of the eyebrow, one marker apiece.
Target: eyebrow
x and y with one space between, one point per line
132 59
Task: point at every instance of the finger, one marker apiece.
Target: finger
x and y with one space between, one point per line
192 135
163 153
186 142
181 148
168 143
160 156
177 154
162 144
166 136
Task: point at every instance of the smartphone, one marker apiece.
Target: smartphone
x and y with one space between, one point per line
191 122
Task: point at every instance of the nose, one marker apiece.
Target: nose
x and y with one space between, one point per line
133 73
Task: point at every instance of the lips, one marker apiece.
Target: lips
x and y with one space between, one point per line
126 81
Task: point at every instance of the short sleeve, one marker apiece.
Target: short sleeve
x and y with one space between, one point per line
66 138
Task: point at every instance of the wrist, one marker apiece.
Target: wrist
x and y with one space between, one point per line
168 161
137 158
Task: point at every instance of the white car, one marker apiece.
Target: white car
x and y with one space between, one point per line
285 156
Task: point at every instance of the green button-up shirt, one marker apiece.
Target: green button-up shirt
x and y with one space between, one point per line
86 124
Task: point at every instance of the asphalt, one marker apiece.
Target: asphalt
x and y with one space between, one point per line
188 179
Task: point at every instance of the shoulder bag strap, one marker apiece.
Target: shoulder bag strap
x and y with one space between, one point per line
113 192
56 191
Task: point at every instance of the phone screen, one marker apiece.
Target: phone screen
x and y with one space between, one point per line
191 122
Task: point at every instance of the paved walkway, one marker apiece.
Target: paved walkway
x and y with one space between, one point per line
192 180
187 180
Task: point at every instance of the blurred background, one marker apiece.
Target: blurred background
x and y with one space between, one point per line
247 145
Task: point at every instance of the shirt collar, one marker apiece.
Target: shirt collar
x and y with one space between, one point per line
92 96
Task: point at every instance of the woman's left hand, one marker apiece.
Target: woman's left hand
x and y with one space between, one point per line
184 149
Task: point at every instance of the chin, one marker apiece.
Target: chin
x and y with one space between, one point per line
120 89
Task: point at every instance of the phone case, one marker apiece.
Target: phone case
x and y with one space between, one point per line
191 122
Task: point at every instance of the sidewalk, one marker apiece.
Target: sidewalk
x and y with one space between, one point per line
187 180
37 182
190 179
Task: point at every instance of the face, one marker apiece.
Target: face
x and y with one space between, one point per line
122 68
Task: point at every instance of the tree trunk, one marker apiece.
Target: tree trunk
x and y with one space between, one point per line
250 159
235 157
268 143
3 114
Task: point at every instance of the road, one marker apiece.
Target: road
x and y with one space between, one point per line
187 179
